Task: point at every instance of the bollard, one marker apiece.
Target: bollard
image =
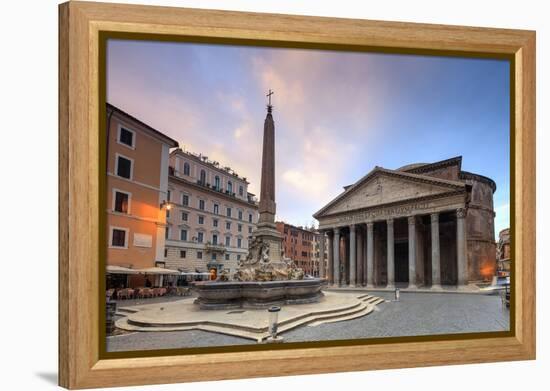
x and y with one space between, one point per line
110 317
273 323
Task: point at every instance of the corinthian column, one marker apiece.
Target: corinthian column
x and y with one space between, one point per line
352 255
321 254
360 259
330 256
461 247
391 262
412 252
436 258
336 256
370 255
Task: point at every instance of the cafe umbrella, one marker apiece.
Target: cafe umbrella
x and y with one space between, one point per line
113 271
158 271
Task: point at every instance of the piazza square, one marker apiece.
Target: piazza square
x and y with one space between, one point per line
302 207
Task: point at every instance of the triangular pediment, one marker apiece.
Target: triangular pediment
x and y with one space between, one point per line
383 186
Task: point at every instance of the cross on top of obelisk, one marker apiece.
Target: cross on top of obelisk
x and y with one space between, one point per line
269 106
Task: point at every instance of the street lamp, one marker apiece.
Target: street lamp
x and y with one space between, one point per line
166 205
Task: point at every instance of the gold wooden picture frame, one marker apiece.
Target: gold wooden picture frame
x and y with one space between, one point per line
83 28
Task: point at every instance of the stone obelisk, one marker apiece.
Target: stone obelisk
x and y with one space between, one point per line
267 193
266 230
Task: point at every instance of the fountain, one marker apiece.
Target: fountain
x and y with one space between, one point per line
264 278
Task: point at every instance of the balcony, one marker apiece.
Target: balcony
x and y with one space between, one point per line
214 248
250 200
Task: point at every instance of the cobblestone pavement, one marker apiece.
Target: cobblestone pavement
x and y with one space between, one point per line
414 314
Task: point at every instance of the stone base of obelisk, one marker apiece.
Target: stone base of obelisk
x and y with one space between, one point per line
267 233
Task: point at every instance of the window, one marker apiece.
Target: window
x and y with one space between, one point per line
238 257
249 230
214 239
167 233
215 222
250 218
186 170
183 254
168 194
165 252
227 225
199 254
228 241
229 187
216 209
304 254
241 191
126 137
201 219
118 237
227 257
228 211
203 177
239 242
213 257
200 237
240 215
201 204
124 167
183 234
184 216
217 183
185 200
239 227
121 202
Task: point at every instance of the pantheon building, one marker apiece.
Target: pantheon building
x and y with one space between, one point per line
422 225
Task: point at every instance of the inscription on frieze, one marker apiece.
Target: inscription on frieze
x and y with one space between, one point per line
378 214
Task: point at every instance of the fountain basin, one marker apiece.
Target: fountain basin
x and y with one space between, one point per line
257 294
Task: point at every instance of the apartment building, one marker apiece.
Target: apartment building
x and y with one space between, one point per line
298 245
212 217
137 188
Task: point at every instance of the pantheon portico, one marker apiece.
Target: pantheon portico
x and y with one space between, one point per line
421 225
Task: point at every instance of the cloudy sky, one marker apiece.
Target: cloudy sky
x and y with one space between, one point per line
337 115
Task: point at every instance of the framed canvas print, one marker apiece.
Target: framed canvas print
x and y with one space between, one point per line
327 194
